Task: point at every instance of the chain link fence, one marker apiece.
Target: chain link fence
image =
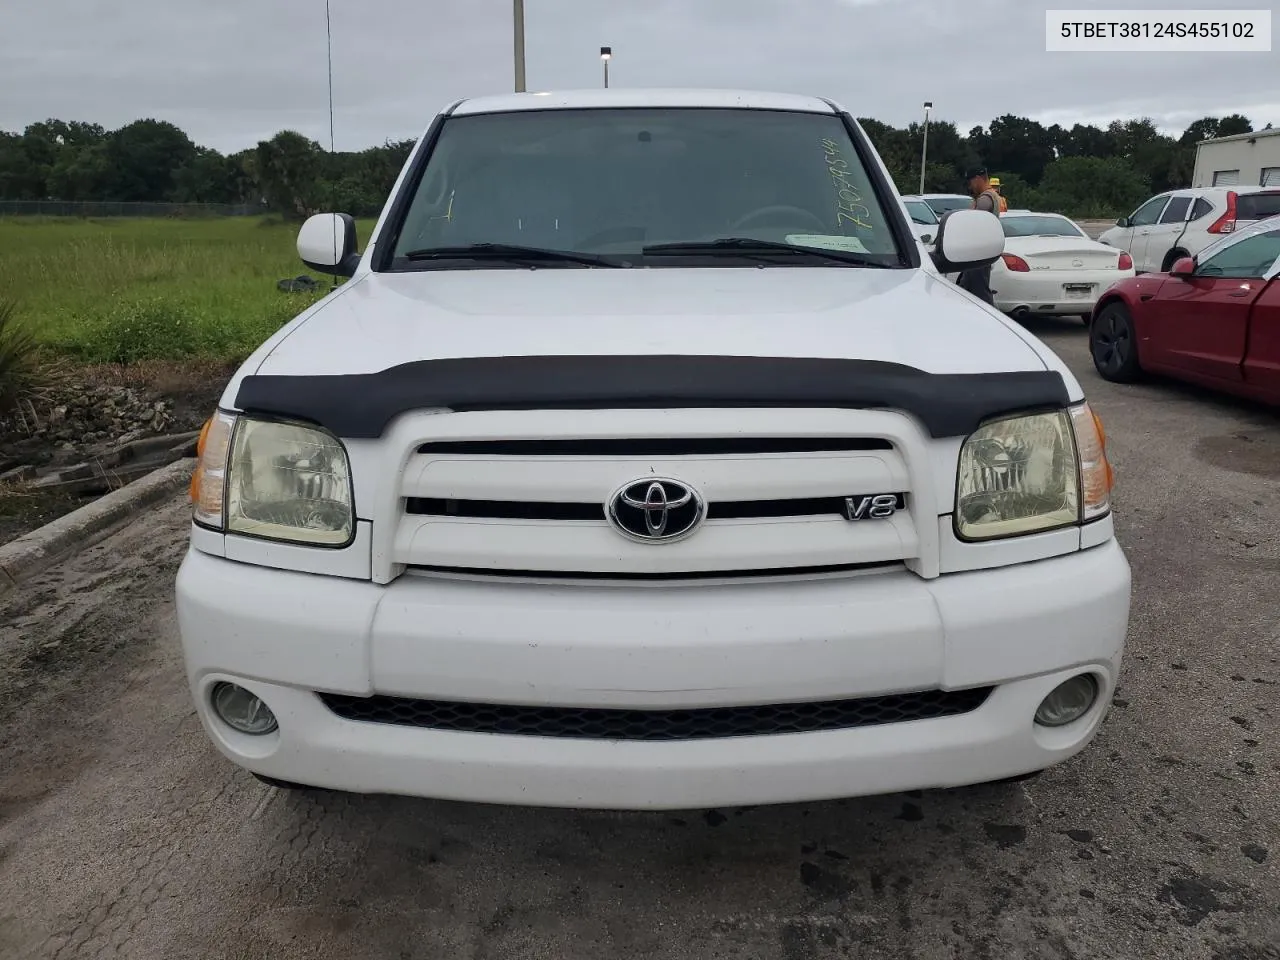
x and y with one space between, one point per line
96 208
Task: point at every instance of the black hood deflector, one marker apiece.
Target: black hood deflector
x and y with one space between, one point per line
360 406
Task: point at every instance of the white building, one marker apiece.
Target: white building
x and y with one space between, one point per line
1252 159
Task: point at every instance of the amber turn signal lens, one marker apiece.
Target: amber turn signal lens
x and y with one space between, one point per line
208 484
193 489
1096 476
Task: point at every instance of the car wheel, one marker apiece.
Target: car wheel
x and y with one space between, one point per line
1114 345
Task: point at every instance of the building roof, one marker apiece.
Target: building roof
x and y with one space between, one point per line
630 97
1274 132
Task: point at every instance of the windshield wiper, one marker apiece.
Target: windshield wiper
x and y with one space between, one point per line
746 246
507 251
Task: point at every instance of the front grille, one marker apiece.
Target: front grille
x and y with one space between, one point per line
774 504
723 510
581 723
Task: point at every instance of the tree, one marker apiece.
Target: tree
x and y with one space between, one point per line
1018 145
146 154
82 174
894 148
1233 124
1149 151
1020 194
947 146
1085 140
39 150
1208 128
287 170
15 173
1092 186
208 177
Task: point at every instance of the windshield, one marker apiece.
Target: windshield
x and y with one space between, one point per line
605 184
921 212
943 205
1039 227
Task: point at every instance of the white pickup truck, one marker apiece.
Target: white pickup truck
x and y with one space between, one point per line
645 460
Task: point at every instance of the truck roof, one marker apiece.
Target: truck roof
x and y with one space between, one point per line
630 97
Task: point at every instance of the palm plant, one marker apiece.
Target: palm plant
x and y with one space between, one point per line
22 373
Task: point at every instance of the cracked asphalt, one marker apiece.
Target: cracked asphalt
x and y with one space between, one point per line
124 834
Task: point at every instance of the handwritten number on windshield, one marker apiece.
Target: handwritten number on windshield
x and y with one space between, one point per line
849 205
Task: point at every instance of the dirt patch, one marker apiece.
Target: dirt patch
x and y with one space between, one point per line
87 411
1256 454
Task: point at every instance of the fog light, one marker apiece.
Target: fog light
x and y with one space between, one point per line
1068 702
241 710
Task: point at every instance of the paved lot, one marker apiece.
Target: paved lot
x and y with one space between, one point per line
122 832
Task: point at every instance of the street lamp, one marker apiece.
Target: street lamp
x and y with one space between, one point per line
924 147
606 54
517 10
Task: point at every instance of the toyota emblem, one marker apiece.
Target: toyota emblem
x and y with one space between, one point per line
655 510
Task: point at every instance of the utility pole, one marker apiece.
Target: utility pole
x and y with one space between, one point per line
924 148
606 54
518 12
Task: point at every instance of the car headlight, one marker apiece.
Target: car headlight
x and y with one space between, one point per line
1031 473
274 480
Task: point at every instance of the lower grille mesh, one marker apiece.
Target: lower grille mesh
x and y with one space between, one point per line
698 724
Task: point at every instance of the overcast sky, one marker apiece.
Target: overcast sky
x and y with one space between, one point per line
232 72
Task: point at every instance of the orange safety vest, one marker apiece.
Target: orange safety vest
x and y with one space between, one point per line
1000 204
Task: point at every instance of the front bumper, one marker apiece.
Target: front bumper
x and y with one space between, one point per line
285 636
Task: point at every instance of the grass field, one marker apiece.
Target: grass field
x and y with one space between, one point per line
126 290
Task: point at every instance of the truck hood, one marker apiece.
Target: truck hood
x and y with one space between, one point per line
380 320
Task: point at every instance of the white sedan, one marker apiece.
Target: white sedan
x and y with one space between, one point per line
924 222
1051 267
944 203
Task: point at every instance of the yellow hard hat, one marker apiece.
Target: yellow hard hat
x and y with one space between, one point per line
995 181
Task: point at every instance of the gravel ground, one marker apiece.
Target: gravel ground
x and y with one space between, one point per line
123 833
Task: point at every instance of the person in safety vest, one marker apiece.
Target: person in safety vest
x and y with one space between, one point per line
995 185
978 281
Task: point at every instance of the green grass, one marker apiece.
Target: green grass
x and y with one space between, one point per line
126 290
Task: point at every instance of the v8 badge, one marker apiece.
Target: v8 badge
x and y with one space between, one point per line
873 506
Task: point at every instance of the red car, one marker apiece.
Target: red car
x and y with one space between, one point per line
1213 319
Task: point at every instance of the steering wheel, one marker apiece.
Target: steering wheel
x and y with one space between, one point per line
774 211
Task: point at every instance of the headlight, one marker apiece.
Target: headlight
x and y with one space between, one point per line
1028 474
275 480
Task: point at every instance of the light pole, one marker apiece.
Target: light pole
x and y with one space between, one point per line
924 146
606 54
517 10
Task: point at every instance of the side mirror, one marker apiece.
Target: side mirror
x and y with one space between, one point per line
967 239
1183 267
327 244
1122 222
